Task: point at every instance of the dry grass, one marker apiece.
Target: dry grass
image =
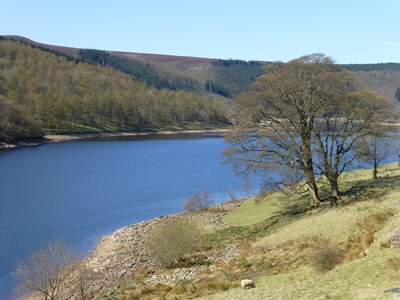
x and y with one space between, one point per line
179 290
326 253
360 230
363 232
326 257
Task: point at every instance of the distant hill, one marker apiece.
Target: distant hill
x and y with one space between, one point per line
46 91
226 78
66 75
384 78
212 76
187 60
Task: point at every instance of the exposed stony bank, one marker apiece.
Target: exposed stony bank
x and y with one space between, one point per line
119 256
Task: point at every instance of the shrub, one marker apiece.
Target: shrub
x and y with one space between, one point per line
198 202
177 236
327 257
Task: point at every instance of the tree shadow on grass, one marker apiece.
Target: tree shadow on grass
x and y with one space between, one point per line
367 189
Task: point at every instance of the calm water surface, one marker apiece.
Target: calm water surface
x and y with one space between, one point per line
82 190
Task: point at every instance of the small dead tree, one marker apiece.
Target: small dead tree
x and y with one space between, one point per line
247 186
82 280
47 270
375 148
231 194
198 202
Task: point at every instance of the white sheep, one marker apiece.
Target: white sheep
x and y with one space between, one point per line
247 283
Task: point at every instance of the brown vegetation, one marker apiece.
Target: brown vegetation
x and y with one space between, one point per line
41 92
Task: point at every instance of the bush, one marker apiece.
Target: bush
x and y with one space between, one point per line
177 236
198 202
327 257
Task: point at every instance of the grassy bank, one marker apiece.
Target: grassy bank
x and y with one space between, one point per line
340 252
284 259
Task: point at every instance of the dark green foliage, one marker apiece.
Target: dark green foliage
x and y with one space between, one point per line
372 67
233 77
234 62
140 71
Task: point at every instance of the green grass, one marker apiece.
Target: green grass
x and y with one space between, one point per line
252 212
281 260
340 252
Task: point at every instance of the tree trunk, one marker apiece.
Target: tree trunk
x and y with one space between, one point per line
335 194
312 187
309 171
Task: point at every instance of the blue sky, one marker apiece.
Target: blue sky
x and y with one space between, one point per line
350 31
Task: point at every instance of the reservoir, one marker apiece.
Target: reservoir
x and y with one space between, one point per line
81 190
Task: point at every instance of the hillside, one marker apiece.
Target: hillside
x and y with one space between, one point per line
296 260
44 92
55 89
191 61
200 74
215 77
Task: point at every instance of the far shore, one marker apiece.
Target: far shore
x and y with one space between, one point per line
49 139
56 138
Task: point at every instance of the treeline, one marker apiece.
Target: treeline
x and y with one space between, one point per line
233 77
234 62
41 92
229 78
141 71
58 53
372 67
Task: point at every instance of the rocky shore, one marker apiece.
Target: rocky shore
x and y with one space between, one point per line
119 256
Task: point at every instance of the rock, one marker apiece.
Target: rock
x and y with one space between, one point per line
393 290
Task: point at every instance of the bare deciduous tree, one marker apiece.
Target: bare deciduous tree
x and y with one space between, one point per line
81 281
198 201
347 119
301 117
247 187
376 147
231 194
276 120
46 270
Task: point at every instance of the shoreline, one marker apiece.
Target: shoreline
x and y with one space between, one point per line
122 253
53 138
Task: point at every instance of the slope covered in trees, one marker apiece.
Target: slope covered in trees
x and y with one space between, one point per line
218 77
384 78
141 71
42 92
233 77
372 67
227 78
384 82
